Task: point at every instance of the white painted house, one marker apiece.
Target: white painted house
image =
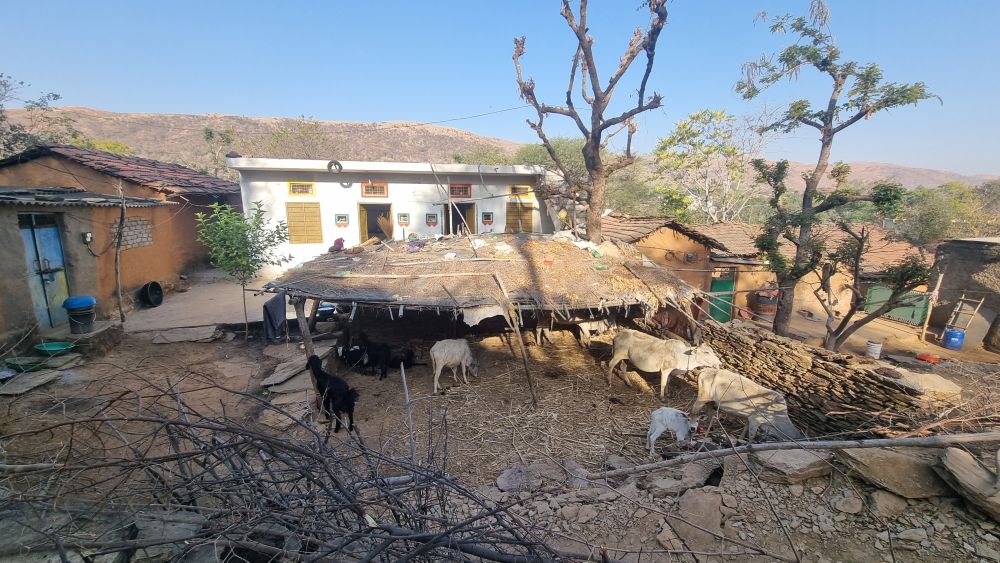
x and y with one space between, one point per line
322 200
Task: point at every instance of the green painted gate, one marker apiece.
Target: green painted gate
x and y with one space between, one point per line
913 313
721 303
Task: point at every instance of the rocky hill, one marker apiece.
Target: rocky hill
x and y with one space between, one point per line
179 138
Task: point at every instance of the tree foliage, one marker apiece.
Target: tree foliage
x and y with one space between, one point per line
107 145
857 91
848 257
953 210
707 157
242 244
40 126
596 127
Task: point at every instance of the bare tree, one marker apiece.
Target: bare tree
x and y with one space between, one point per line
598 130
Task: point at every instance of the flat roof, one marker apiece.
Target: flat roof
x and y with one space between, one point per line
352 166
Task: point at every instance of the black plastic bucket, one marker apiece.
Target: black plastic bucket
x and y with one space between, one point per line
152 294
81 321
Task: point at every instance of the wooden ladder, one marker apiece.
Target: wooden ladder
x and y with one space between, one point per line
963 312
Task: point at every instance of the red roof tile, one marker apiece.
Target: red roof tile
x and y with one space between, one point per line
163 177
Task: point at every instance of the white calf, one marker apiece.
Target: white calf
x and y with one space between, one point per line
452 354
737 395
648 353
666 418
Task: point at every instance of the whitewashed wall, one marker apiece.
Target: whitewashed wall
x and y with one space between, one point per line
416 194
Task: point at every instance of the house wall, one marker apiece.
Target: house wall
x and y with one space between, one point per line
965 261
670 249
162 257
50 171
416 194
179 233
749 277
16 311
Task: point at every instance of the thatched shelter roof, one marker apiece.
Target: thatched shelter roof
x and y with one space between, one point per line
537 271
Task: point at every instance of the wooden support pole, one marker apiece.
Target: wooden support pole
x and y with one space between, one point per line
509 307
313 312
299 303
940 441
930 305
409 414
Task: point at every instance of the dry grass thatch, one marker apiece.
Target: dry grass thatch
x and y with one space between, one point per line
537 271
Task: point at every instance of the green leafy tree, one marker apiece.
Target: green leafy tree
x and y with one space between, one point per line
40 125
597 125
857 91
106 145
242 245
848 257
953 210
708 155
492 156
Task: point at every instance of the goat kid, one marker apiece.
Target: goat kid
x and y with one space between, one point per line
651 354
666 418
336 396
453 354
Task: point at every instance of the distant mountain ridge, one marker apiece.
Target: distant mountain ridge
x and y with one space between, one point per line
179 138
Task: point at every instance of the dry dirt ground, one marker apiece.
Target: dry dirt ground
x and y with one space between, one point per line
491 425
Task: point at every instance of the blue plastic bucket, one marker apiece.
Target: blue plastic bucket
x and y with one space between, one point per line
954 338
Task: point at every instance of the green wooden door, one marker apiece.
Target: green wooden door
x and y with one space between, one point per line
721 303
913 312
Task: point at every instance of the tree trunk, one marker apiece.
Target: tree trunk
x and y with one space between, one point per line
786 304
597 190
246 318
992 339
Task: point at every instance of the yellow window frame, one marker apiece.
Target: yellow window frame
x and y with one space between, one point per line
312 188
528 194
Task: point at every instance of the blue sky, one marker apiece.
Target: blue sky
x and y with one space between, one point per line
435 60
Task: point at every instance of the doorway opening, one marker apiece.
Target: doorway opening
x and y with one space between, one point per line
466 212
722 290
43 256
369 214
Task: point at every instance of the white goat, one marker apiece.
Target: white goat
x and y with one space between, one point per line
648 353
666 418
737 395
452 354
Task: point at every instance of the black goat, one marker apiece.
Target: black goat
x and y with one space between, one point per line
337 396
354 357
380 356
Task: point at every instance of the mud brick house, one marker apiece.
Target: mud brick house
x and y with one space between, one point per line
722 258
60 207
971 269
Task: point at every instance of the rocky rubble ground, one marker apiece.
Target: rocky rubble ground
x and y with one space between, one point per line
750 501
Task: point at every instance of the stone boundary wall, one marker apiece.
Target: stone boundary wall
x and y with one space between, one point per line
826 392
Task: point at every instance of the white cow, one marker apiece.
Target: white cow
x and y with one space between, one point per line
737 395
452 354
666 418
648 353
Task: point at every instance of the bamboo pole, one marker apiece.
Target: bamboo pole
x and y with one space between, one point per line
300 314
930 305
924 442
118 252
520 341
409 414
